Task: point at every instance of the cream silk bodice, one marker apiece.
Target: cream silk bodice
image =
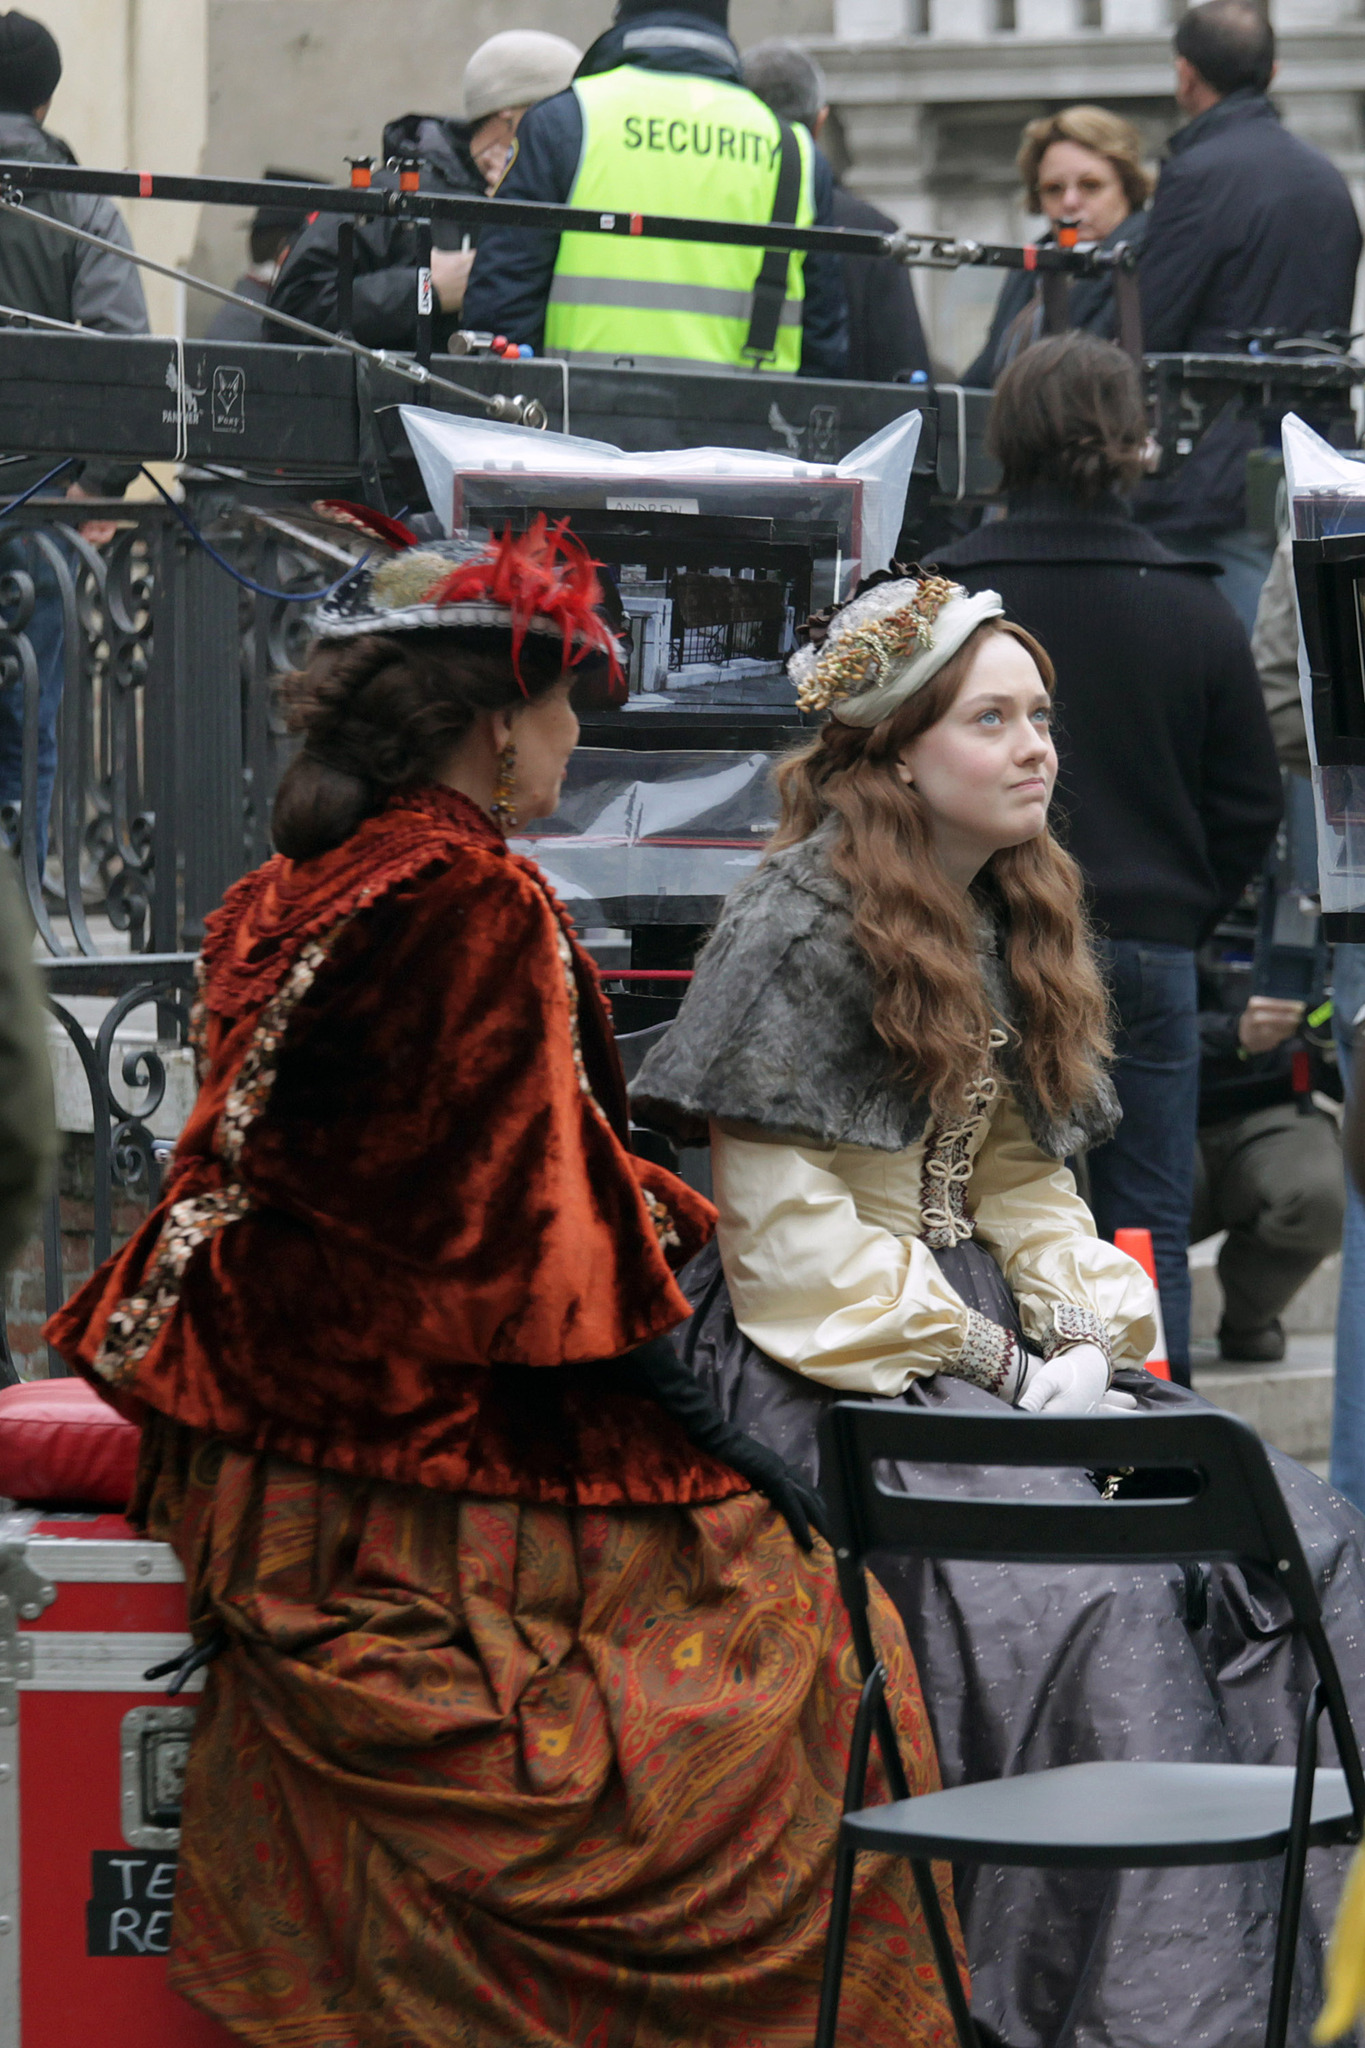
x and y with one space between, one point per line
830 1268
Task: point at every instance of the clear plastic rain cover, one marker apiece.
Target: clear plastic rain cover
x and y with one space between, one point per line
1327 495
654 838
475 469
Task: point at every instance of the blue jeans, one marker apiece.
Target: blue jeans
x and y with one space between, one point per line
1245 559
1348 1406
1143 1178
47 636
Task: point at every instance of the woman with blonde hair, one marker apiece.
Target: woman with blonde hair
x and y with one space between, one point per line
1085 166
894 1041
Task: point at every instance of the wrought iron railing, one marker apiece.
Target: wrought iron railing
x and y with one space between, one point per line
169 745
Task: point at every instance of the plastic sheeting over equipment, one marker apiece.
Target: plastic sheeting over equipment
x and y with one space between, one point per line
1327 492
654 838
477 471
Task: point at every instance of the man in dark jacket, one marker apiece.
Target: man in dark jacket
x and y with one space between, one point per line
885 335
1168 790
1251 228
272 234
47 273
511 286
504 77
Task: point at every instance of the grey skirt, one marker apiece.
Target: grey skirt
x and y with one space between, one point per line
1026 1667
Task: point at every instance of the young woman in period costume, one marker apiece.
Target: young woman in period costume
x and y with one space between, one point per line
532 1709
894 1040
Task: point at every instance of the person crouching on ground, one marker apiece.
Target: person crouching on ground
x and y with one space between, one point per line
533 1712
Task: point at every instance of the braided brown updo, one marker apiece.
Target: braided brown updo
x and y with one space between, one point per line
1068 417
384 712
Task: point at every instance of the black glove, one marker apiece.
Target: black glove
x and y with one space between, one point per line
657 1368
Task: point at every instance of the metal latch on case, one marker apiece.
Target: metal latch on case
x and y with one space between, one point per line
154 1747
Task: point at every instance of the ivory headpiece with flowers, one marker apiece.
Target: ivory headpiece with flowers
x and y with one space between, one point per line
884 645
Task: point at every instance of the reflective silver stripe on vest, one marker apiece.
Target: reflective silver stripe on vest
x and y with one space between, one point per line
595 359
651 295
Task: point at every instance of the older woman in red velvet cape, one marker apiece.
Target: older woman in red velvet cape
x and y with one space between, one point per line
532 1717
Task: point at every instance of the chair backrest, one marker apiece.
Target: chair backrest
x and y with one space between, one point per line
1234 1510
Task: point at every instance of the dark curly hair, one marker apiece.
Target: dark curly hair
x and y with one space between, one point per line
383 712
1068 416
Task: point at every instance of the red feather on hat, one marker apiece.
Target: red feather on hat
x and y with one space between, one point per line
364 518
546 574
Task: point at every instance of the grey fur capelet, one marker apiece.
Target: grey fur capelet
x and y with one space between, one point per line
776 1029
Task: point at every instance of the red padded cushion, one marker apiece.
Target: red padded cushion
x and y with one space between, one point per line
60 1442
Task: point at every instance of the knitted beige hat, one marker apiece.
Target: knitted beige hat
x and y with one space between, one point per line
515 69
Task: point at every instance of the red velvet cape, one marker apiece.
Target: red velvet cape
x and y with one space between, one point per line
402 1230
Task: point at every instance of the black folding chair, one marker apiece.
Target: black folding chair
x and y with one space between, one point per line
1100 1815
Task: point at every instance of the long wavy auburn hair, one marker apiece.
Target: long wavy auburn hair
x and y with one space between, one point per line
917 931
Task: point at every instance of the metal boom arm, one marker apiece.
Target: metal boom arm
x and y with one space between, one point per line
931 252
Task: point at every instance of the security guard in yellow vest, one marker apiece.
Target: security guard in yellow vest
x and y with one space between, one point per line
657 121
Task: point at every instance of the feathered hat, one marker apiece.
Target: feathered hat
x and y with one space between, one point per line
544 582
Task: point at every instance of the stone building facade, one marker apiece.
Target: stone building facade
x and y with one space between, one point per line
931 96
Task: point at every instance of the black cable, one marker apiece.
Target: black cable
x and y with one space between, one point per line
33 489
229 568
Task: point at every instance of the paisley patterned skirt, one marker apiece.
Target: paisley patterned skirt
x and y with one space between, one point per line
477 1772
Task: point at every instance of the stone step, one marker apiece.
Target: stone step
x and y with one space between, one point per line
1289 1404
1312 1310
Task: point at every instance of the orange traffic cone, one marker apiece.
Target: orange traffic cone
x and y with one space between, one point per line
1138 1245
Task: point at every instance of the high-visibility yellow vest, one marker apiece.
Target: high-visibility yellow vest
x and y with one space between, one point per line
672 142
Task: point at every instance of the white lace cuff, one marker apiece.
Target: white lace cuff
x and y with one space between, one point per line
1072 1325
990 1357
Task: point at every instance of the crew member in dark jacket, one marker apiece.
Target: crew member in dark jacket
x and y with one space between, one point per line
885 334
1083 165
510 288
1251 228
272 234
1268 1170
504 77
49 274
1168 780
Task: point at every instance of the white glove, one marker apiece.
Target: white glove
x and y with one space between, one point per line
1074 1382
1116 1402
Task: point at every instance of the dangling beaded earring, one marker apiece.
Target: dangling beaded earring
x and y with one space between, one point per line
503 806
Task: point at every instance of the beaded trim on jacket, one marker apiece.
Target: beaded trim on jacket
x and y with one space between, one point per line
1072 1325
137 1322
989 1357
947 1168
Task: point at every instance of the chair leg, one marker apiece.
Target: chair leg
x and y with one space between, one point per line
943 1955
836 1941
1295 1861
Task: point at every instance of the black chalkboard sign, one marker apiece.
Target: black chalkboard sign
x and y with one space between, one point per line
129 1910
